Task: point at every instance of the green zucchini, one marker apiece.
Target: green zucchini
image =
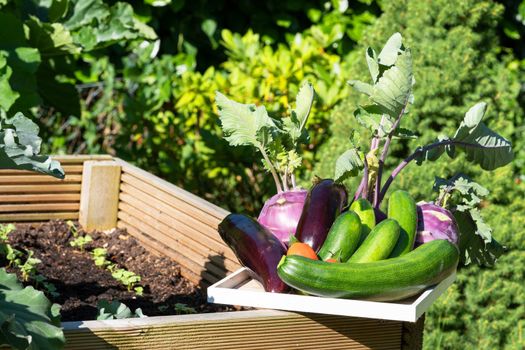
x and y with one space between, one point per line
343 237
390 279
366 213
379 243
402 208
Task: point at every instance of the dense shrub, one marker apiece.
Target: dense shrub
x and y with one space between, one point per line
457 61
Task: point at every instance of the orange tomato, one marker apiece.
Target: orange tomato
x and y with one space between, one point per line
332 260
302 249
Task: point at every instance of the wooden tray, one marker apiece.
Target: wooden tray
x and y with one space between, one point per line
240 288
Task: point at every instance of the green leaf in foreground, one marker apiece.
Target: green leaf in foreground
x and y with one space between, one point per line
27 318
348 164
20 145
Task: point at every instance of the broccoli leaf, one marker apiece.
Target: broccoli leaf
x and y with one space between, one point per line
19 147
348 164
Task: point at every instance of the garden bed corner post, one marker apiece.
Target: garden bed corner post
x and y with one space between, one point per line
99 195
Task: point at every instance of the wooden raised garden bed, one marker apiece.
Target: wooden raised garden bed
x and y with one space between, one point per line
104 192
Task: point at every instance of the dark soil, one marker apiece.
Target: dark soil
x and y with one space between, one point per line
81 284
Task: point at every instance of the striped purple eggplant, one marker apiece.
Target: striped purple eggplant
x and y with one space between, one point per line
256 248
325 201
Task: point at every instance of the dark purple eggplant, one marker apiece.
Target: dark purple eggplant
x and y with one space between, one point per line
256 248
325 201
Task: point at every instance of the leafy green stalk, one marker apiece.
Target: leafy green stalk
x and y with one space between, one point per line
277 140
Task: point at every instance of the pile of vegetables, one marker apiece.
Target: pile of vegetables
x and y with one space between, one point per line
323 242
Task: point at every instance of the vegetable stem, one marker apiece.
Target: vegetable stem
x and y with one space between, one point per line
384 153
416 154
272 170
292 178
364 191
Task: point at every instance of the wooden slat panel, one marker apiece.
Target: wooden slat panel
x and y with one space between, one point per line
38 216
32 198
180 222
68 169
42 207
160 249
170 199
198 254
175 208
260 329
45 179
194 250
48 188
80 158
178 192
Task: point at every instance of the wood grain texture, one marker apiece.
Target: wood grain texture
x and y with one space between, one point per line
19 217
99 195
42 207
259 329
38 198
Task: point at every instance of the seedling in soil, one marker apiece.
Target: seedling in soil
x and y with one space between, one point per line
5 230
116 310
28 269
127 278
99 257
10 253
79 241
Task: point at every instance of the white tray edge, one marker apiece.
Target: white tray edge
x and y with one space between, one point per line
224 292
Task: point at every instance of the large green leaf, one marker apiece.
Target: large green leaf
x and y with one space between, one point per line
348 164
392 77
95 25
19 147
244 124
303 103
50 38
7 95
482 145
489 149
27 318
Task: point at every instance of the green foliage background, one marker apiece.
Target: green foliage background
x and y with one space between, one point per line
148 98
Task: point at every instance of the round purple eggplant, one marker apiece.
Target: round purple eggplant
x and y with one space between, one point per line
256 248
325 201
